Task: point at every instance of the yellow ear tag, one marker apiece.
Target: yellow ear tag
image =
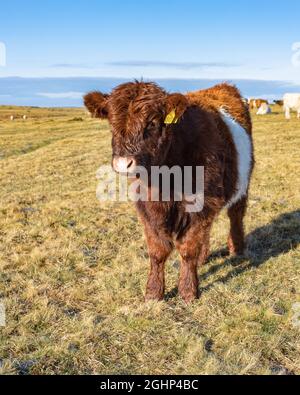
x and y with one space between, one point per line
171 118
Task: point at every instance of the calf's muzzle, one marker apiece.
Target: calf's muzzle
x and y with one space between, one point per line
124 165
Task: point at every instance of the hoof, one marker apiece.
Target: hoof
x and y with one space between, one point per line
153 298
189 297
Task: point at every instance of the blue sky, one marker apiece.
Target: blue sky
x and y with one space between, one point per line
157 39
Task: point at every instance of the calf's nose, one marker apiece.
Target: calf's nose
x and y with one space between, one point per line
124 165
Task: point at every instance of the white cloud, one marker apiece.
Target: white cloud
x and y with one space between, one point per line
173 65
62 95
284 71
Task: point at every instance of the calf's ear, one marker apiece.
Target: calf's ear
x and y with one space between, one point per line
176 106
97 104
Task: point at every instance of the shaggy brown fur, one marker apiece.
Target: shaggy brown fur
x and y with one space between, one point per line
136 112
227 97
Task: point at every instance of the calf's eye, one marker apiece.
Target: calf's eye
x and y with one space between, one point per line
151 130
146 134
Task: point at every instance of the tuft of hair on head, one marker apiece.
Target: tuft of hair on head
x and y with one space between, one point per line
96 103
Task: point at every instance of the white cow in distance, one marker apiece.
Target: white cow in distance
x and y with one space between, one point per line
291 101
264 109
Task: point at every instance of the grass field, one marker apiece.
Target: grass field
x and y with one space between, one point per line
73 270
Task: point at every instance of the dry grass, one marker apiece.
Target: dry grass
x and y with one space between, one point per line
73 271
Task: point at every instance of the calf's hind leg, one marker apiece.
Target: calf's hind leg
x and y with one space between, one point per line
236 240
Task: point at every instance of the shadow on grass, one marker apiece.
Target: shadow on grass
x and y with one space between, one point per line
269 241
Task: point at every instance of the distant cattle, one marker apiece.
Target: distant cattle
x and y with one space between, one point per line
291 101
264 109
256 103
278 102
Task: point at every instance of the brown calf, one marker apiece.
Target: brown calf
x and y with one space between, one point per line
278 102
211 128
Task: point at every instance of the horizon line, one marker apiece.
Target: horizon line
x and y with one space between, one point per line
153 78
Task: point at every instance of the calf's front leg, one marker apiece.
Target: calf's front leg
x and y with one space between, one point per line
159 251
188 280
193 250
